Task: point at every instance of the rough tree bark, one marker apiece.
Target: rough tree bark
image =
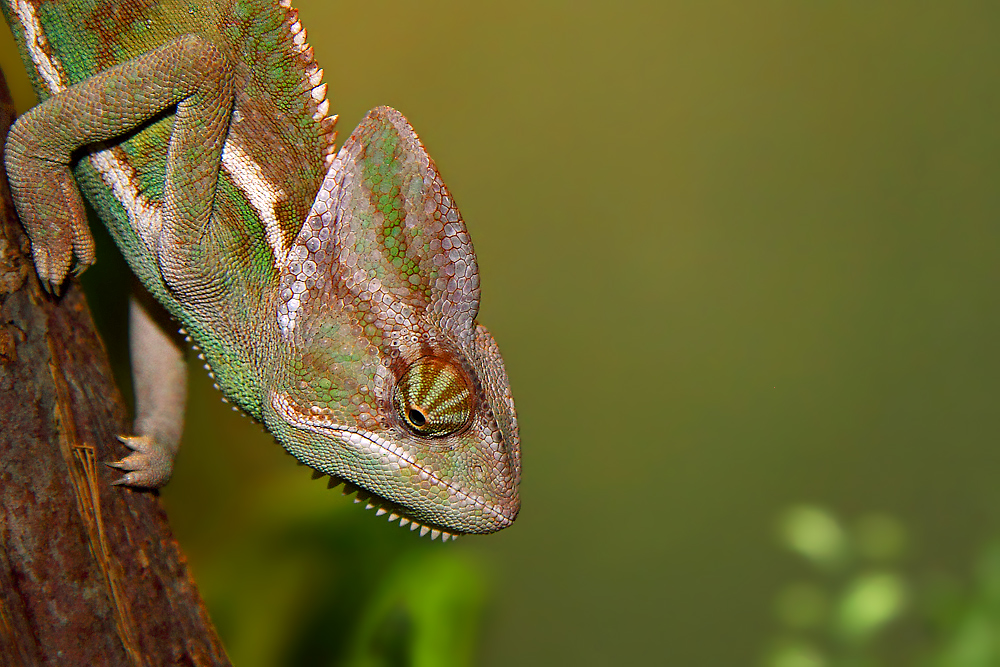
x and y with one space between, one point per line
89 573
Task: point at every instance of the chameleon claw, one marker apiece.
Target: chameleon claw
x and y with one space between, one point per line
124 480
117 465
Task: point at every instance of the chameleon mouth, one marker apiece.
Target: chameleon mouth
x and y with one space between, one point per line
383 506
359 438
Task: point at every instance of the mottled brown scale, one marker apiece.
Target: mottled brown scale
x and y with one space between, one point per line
107 20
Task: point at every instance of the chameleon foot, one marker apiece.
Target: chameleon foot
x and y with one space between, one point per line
149 465
54 258
52 209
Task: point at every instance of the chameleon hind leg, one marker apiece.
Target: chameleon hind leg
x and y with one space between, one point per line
189 72
160 378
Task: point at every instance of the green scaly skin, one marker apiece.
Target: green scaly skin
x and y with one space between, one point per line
206 143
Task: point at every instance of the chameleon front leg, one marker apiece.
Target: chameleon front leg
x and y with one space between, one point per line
159 376
189 72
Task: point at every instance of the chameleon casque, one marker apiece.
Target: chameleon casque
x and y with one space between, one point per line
333 294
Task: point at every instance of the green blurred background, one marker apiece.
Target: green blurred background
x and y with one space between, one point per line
740 257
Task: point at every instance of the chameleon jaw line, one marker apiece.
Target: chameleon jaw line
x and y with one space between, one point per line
370 442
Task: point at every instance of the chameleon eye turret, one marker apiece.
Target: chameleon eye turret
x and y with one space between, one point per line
433 398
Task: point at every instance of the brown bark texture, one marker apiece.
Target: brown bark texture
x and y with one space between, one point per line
89 572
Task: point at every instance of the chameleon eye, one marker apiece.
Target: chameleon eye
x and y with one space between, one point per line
433 398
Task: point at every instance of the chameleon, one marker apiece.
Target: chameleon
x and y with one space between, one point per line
333 293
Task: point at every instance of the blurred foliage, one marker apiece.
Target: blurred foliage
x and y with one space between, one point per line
970 620
342 589
861 592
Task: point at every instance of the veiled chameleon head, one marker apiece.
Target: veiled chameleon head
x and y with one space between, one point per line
385 378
